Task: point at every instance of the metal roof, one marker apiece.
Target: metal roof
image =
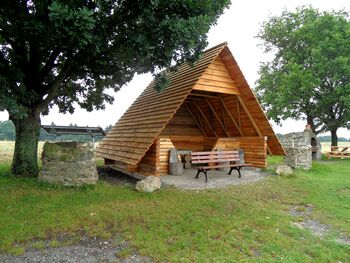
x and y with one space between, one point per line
76 130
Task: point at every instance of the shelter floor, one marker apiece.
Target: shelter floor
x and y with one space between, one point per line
216 179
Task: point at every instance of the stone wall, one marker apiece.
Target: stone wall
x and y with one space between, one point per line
296 139
298 157
298 147
68 163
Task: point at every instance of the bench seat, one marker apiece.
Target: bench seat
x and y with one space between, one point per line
217 159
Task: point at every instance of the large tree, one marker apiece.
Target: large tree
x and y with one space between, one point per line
69 52
309 75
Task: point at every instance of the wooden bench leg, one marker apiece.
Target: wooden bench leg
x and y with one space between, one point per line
238 170
202 171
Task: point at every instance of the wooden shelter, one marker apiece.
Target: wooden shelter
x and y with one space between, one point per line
207 106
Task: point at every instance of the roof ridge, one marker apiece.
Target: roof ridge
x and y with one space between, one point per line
216 46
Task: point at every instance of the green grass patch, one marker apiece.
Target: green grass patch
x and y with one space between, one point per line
248 222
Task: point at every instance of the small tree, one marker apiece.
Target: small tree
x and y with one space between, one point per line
67 53
309 77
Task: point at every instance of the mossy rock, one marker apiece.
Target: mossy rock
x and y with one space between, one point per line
66 152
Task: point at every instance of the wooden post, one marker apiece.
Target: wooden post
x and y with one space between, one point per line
252 121
239 113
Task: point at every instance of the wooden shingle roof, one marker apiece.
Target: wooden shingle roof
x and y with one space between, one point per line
136 130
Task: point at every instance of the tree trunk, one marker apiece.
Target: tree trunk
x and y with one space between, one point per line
310 121
334 137
25 157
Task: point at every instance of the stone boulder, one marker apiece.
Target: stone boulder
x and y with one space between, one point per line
149 184
284 170
68 163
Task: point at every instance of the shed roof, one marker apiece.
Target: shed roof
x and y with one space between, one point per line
137 129
77 130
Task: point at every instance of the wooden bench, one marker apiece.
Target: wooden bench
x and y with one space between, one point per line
339 152
218 159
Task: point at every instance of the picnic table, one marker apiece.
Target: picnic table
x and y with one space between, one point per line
341 152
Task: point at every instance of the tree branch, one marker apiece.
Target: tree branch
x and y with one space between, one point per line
4 61
50 63
54 86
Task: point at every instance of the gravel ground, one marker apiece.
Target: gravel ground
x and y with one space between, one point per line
216 179
316 228
86 251
301 210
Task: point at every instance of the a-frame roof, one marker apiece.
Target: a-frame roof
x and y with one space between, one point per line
135 132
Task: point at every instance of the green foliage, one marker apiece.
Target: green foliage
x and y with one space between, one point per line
226 225
7 131
309 77
68 52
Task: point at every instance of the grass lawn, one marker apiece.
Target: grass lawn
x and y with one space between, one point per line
250 223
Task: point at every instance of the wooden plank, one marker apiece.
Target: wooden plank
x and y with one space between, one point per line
217 117
197 116
205 118
163 97
230 115
251 119
216 83
204 87
213 76
238 113
202 95
195 119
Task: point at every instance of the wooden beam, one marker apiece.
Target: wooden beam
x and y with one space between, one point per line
230 115
239 113
203 95
205 118
195 120
193 98
252 121
218 118
223 115
198 115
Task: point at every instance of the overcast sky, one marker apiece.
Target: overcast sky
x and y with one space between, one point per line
238 26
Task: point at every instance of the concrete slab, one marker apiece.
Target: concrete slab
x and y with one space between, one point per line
216 179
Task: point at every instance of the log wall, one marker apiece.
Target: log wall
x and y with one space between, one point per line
182 124
226 144
254 150
149 164
193 143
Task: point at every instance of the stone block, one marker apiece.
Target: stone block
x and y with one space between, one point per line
68 163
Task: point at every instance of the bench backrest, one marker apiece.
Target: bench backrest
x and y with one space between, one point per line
214 157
